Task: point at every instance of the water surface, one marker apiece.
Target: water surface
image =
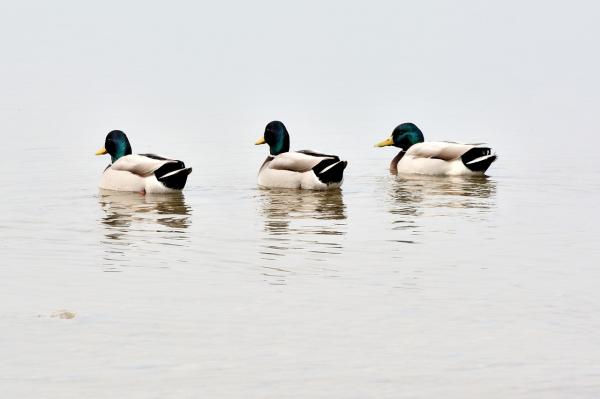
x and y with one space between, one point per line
392 286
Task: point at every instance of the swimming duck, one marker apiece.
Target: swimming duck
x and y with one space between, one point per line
435 157
298 169
145 173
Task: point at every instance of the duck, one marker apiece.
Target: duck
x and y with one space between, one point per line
435 157
304 169
143 173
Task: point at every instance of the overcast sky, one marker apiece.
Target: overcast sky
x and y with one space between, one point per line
465 70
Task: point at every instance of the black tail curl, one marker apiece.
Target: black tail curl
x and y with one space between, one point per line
173 175
471 159
330 171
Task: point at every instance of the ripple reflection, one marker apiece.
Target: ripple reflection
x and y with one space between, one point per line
411 198
300 222
135 224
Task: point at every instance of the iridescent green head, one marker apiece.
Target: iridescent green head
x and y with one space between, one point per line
116 144
404 136
277 137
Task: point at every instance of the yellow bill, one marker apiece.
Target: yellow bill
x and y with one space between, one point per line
101 151
385 143
260 141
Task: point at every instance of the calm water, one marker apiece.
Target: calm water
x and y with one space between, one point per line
390 287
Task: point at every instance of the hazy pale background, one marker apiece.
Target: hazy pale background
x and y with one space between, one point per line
410 288
505 72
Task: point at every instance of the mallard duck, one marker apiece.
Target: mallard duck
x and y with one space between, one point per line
435 157
299 169
146 173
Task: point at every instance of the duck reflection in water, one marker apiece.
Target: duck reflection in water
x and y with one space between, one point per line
308 221
127 213
412 196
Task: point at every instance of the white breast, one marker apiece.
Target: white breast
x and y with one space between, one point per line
120 180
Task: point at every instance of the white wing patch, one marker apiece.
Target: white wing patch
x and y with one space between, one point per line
295 161
438 149
139 164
